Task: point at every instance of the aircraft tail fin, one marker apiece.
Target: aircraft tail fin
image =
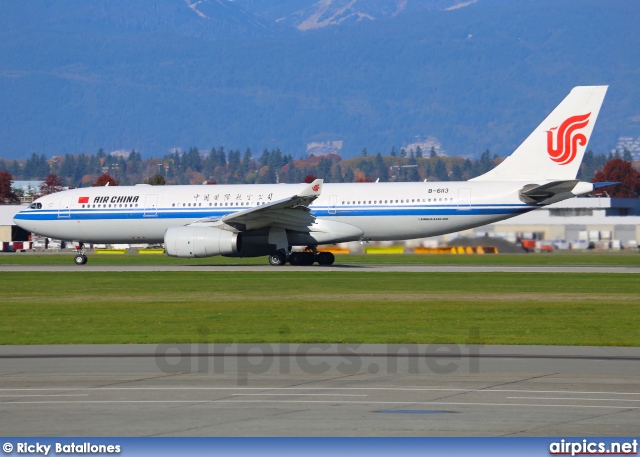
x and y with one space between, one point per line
555 149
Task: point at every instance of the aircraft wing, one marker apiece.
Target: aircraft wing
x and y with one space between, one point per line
291 213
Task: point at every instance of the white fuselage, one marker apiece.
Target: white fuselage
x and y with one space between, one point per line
381 211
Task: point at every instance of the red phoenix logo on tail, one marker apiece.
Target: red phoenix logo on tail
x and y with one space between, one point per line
566 139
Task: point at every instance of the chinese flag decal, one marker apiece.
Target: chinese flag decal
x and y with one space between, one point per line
83 200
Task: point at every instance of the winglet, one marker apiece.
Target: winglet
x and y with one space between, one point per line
312 190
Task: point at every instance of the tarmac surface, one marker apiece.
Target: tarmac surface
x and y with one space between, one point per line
318 390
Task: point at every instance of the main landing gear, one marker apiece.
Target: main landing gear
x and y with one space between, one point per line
307 257
80 258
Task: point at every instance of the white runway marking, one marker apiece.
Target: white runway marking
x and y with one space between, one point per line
569 398
267 394
383 389
408 403
45 395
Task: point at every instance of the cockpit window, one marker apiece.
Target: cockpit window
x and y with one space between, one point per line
35 205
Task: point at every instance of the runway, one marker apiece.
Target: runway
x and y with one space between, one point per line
335 268
319 390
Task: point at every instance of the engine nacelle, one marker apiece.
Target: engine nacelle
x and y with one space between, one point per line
198 241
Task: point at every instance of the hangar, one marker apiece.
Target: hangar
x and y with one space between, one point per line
603 221
10 232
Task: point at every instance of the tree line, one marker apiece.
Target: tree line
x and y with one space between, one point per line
219 166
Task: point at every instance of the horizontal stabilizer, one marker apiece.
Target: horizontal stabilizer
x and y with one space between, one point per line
598 185
534 193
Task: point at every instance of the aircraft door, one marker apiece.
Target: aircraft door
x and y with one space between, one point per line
333 200
64 211
151 205
464 199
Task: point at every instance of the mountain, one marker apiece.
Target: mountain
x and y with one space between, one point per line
76 76
306 15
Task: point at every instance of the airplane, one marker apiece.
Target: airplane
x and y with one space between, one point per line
272 219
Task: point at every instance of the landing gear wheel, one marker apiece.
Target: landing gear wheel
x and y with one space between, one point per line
296 258
326 258
80 259
308 258
278 258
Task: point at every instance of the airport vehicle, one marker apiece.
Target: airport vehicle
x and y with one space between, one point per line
268 220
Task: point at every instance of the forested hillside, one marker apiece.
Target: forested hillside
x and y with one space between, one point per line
153 76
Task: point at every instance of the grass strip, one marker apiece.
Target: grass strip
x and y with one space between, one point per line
331 307
623 258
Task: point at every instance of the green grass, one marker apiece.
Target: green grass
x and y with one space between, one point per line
622 258
332 307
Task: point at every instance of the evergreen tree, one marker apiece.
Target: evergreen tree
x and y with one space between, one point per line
348 175
418 152
68 168
157 180
264 158
485 164
36 167
433 153
381 168
626 155
364 152
591 163
440 170
336 174
15 168
81 169
222 158
275 159
324 168
467 169
234 162
134 162
211 162
192 160
247 161
412 170
367 167
456 172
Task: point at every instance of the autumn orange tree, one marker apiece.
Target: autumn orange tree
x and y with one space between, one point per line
7 194
618 170
103 180
52 183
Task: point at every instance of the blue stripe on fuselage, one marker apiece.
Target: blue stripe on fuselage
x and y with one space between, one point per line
338 211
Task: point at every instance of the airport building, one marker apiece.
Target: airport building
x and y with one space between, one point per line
596 222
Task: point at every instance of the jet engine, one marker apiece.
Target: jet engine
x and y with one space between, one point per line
198 241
